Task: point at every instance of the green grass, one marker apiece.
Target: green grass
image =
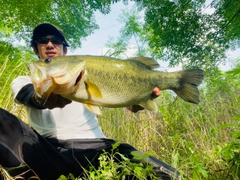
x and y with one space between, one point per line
201 141
189 137
109 169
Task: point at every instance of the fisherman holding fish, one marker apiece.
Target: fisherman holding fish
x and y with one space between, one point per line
62 136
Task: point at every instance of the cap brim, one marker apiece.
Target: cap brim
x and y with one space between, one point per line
46 29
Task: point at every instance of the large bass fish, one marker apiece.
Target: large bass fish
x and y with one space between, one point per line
110 82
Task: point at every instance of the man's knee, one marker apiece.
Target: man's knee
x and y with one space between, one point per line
8 157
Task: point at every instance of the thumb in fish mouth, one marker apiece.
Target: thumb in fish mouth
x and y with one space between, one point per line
43 90
41 99
155 93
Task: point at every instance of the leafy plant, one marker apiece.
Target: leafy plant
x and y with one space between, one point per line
111 168
231 152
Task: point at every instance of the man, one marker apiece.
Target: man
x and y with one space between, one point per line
64 136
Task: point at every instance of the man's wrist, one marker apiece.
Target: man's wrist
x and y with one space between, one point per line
39 103
26 97
36 99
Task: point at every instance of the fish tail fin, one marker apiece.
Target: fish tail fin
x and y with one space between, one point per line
189 82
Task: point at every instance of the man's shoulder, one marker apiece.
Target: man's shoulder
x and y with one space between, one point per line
19 82
22 78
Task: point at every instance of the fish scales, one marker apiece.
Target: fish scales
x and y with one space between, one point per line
121 83
110 82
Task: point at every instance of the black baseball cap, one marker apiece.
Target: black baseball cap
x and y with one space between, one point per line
45 29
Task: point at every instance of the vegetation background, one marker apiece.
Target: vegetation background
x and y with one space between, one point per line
201 141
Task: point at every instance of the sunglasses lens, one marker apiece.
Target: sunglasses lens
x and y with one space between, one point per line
54 41
43 41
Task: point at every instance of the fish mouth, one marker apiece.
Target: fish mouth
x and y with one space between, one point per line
43 90
58 77
43 85
79 78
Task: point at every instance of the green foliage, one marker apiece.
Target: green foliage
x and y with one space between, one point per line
231 152
175 31
110 169
188 34
192 138
75 17
13 60
201 141
235 71
4 174
69 177
229 12
132 29
181 32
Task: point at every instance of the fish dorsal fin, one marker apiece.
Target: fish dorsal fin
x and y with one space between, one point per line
149 105
93 89
150 62
93 109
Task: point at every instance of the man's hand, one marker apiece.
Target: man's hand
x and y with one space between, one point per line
55 100
136 108
155 93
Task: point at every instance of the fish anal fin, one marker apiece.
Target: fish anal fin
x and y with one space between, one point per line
93 109
149 105
93 89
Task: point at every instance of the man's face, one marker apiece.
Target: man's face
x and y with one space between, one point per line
50 46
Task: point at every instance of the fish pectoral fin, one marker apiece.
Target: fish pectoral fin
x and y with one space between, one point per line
149 105
93 109
93 89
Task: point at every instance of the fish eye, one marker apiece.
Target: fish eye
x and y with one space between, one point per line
48 60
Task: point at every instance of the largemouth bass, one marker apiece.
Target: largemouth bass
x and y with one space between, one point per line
110 82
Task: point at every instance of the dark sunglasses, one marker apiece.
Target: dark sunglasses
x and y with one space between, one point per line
55 41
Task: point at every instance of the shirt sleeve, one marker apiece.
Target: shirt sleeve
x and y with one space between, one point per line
23 91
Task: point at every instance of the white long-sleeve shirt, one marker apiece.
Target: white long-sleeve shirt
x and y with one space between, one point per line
74 121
